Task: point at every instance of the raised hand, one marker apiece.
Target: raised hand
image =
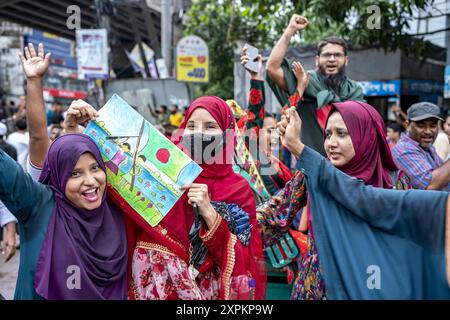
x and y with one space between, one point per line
245 59
289 129
302 77
198 193
35 65
395 108
297 23
78 112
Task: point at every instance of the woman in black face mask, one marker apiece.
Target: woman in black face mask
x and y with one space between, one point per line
203 139
218 256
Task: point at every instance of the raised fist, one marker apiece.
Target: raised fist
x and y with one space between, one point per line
298 23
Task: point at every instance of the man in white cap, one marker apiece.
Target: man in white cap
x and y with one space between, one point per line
415 154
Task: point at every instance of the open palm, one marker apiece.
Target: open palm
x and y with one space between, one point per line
301 75
34 65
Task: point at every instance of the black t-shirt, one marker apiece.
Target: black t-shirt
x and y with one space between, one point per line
56 118
9 150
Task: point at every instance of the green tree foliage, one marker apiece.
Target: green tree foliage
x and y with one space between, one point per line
223 23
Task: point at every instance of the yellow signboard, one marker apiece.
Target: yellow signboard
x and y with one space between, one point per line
192 60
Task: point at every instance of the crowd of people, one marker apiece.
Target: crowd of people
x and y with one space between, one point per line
367 208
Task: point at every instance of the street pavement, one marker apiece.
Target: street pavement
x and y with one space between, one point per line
8 275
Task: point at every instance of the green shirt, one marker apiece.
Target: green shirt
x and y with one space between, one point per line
316 96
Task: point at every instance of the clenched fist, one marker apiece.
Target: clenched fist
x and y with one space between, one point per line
297 23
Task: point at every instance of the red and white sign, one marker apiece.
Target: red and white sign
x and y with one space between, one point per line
66 94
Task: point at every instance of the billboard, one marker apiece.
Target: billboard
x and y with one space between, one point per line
192 60
447 83
92 53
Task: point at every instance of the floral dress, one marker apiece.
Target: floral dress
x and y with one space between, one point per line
169 278
160 274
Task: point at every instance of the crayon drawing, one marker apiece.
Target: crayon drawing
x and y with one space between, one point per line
144 166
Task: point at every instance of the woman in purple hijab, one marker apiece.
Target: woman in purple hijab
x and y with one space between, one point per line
73 242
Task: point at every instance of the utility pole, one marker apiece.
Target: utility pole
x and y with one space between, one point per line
102 22
166 33
447 45
447 31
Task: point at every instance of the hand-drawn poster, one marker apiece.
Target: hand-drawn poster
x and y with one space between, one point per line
144 166
244 164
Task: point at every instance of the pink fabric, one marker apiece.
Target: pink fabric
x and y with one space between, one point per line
159 276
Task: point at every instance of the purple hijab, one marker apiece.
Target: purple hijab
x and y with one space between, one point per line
91 244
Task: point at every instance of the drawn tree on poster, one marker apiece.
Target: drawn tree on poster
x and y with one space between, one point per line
133 175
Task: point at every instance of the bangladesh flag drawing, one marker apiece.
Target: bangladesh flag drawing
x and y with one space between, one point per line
142 165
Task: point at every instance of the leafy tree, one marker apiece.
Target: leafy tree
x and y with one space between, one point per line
223 23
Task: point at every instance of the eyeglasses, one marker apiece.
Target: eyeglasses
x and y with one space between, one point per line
328 55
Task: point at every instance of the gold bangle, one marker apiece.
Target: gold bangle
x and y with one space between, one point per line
209 234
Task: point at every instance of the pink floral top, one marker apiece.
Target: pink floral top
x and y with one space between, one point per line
163 276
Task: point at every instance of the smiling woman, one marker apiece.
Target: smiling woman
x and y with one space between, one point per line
68 230
87 183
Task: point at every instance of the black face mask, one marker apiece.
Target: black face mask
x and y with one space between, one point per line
203 147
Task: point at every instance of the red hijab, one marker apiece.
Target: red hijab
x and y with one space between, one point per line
373 159
223 115
223 183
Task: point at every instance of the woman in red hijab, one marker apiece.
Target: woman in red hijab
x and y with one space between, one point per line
355 143
215 253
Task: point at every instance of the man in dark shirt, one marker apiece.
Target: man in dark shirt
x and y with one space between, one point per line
9 149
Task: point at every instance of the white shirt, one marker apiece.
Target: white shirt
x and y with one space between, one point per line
5 215
21 142
442 145
33 171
